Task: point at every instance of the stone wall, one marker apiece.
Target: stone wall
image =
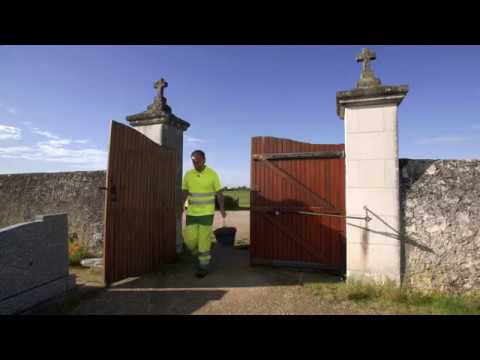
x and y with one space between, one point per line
23 196
440 207
439 200
33 263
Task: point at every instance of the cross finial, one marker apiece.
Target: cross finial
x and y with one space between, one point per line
160 102
160 85
366 55
367 78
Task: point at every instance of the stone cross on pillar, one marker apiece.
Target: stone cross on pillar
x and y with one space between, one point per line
160 85
159 105
371 175
367 78
159 124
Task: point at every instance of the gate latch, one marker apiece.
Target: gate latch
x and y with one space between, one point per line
113 191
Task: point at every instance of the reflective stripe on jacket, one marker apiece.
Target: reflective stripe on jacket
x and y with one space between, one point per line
201 187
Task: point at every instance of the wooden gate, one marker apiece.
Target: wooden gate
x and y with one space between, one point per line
297 204
139 205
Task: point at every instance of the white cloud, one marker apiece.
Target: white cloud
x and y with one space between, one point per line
10 110
56 139
10 132
59 142
83 156
55 151
13 151
52 150
191 141
44 133
444 140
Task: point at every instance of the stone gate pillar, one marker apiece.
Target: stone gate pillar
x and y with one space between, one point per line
372 175
159 124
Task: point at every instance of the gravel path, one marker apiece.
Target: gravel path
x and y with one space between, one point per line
232 287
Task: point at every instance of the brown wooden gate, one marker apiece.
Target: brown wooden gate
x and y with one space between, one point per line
292 184
139 205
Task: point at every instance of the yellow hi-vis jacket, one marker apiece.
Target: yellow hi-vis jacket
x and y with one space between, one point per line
201 187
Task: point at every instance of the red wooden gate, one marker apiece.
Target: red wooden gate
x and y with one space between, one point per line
139 205
292 184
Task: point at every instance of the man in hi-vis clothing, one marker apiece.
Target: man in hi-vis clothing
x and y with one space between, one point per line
201 185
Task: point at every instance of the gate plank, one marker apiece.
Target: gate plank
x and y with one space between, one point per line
294 176
140 224
294 181
296 238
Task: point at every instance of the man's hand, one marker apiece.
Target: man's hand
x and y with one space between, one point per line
184 197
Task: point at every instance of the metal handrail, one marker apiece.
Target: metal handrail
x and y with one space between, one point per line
366 218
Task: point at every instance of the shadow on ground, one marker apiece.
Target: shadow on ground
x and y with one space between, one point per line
230 267
175 289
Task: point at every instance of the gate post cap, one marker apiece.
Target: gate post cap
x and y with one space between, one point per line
369 91
370 96
158 112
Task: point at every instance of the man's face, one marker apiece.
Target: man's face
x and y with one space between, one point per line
198 162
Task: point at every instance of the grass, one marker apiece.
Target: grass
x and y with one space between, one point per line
94 278
242 195
87 275
397 300
242 243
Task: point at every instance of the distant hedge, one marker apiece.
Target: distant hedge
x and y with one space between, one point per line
230 203
226 188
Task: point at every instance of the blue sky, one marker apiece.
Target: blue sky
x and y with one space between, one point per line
56 102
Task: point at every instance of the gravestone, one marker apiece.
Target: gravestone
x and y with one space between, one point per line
34 263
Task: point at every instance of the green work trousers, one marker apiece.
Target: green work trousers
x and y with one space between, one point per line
198 238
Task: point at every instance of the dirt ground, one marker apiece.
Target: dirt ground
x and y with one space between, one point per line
232 287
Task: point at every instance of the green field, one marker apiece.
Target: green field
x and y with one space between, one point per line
242 195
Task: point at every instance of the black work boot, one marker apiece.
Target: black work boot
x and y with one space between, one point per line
202 270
